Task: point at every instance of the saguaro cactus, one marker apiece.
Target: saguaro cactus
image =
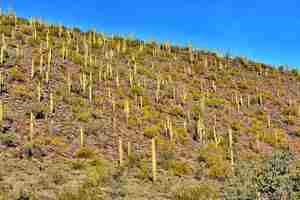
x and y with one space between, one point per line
31 131
268 121
117 80
169 130
2 54
49 59
34 33
32 68
51 103
48 38
200 129
158 82
81 137
113 104
90 93
41 62
69 83
39 92
1 112
121 153
231 146
1 81
217 139
154 161
126 109
128 149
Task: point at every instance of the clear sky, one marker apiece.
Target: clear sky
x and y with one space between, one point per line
264 30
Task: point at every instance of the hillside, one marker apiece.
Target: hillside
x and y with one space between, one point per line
81 114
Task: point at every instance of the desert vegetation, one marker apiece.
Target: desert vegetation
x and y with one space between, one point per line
84 115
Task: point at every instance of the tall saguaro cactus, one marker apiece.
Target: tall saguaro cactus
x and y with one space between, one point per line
51 103
32 68
1 112
39 91
231 147
129 149
157 89
126 109
154 161
121 152
81 137
31 131
2 54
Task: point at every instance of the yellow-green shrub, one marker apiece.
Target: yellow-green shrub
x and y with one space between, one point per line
215 159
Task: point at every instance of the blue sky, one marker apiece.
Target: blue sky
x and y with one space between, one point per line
264 30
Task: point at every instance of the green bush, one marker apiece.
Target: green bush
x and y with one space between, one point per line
8 139
84 116
198 192
84 152
215 159
242 184
274 181
21 91
215 102
16 74
152 131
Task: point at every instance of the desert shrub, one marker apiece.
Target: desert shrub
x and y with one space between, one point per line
215 159
152 131
256 128
26 31
148 113
98 171
181 134
33 149
32 42
198 192
84 115
77 103
133 121
290 111
16 74
242 184
169 162
8 139
296 132
236 125
177 110
290 120
274 181
143 170
133 159
275 138
180 168
84 152
196 95
243 85
22 194
215 102
295 72
85 191
295 179
166 156
78 164
56 175
136 90
199 108
21 91
38 109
